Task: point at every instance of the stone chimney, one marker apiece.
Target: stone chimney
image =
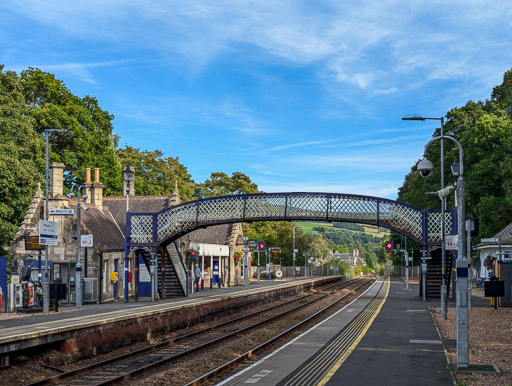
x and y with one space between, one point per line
88 185
97 190
175 196
56 180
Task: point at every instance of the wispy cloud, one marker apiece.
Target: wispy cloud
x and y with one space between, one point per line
300 144
81 71
343 36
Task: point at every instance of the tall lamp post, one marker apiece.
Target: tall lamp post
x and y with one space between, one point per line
425 167
78 269
46 283
444 291
127 176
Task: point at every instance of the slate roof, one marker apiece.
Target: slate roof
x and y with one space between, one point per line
107 235
506 234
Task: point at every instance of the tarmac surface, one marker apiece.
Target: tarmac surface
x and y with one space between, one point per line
386 337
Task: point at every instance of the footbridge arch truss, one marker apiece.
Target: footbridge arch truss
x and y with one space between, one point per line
162 228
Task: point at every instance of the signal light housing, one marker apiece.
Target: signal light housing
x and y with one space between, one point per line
390 246
262 246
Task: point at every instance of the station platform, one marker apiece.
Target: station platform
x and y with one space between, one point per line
96 327
385 337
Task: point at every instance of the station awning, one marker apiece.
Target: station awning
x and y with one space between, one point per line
210 249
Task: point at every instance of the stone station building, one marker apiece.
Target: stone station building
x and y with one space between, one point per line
103 262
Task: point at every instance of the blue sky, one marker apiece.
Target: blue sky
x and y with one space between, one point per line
300 96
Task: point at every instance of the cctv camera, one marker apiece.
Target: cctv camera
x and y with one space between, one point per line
85 208
425 166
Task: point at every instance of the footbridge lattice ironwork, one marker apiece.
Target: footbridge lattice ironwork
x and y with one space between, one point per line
162 228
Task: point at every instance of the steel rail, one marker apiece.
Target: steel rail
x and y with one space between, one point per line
250 353
71 373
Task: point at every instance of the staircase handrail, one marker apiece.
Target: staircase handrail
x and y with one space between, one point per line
181 270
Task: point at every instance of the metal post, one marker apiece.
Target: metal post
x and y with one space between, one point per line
46 285
406 270
462 278
444 293
468 251
126 251
443 209
269 273
424 274
246 277
152 269
293 233
78 268
258 266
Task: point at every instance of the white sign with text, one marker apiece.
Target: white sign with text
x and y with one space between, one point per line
86 241
47 232
451 242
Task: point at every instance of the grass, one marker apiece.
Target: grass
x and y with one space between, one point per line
308 226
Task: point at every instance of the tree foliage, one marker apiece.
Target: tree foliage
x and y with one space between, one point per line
484 129
220 184
22 152
89 142
155 174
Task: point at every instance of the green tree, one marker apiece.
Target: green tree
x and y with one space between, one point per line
220 184
484 129
22 153
320 248
90 141
156 174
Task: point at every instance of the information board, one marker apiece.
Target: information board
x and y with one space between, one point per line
47 232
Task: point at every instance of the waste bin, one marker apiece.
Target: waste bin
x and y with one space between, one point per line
494 288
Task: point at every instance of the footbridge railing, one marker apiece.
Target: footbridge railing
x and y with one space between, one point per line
170 224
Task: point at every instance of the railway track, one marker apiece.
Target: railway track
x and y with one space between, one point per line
132 364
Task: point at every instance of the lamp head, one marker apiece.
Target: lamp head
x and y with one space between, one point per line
425 167
455 168
128 173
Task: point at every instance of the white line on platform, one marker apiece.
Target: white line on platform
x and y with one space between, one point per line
426 341
250 368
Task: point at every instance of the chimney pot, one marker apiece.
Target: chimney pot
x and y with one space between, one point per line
87 175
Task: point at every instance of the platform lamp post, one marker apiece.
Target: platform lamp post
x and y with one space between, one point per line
46 283
425 167
444 291
127 176
78 267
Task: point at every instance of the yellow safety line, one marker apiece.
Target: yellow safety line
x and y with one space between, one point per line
342 342
344 357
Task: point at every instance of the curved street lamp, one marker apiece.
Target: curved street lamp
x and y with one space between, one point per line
46 282
128 174
462 261
444 294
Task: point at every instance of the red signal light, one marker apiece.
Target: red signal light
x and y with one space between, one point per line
389 246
